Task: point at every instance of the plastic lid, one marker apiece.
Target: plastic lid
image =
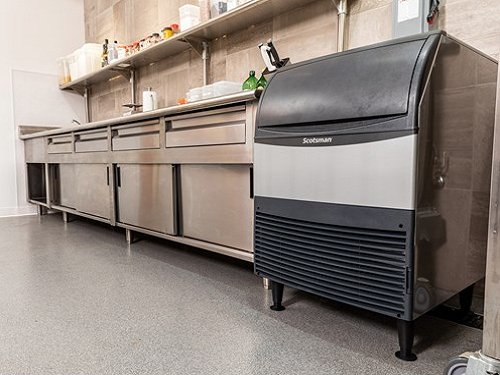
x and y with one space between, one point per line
174 26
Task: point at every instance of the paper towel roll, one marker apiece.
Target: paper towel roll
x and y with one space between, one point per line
149 100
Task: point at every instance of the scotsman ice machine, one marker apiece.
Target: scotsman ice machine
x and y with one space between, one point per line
372 176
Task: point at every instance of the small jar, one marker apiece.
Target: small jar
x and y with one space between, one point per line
175 28
167 32
155 38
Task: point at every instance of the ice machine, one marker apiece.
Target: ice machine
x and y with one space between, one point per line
372 176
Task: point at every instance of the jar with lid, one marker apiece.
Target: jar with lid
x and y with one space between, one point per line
155 38
167 32
175 28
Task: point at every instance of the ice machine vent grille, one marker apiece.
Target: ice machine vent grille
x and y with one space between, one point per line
358 266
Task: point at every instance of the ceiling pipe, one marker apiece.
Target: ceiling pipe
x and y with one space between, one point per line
342 13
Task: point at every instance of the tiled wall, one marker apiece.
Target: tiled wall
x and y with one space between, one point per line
300 34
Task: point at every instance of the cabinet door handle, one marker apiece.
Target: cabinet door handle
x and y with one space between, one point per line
118 177
251 182
107 174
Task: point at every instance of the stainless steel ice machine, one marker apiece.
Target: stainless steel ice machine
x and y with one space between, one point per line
372 176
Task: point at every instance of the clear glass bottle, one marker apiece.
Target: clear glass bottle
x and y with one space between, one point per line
251 82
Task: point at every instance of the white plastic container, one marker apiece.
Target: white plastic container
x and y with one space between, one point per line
88 58
225 87
73 66
194 94
64 74
207 91
189 16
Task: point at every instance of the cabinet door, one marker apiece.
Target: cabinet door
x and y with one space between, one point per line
216 204
67 185
93 193
145 196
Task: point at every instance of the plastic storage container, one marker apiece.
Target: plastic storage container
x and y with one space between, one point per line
73 66
64 74
226 87
194 94
88 58
207 91
189 16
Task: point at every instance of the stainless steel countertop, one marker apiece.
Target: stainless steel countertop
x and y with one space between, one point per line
201 104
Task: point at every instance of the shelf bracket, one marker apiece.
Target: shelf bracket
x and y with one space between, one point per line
198 44
124 72
81 90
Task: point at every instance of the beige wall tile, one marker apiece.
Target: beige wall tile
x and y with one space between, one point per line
104 25
370 27
146 20
124 21
360 6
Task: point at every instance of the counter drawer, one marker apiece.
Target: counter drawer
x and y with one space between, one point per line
91 141
137 136
217 127
60 144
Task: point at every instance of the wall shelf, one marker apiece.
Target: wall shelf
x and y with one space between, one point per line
246 15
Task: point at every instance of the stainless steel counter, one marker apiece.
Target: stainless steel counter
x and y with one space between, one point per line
184 173
177 109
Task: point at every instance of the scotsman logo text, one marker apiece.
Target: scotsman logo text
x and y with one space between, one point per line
317 140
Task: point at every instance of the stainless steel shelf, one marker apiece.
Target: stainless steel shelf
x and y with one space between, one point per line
246 15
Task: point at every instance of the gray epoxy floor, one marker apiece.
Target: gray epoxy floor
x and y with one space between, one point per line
76 299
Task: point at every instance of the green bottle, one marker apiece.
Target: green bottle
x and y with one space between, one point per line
262 82
251 82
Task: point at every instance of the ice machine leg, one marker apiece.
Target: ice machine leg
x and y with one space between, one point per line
277 289
405 336
465 297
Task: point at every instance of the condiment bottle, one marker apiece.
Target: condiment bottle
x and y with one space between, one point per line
104 56
251 82
167 32
175 28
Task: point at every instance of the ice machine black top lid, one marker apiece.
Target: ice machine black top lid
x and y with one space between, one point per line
345 90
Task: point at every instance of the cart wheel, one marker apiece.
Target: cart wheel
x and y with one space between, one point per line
457 366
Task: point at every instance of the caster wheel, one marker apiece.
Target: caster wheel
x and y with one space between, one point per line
457 366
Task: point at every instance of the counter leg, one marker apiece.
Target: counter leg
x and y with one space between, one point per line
65 217
405 336
266 283
277 289
129 235
41 210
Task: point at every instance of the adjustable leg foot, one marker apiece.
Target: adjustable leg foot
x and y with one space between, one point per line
65 217
405 336
277 289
